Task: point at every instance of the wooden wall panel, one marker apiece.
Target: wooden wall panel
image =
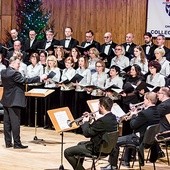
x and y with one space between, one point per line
116 16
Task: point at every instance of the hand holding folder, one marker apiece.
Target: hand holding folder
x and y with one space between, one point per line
76 78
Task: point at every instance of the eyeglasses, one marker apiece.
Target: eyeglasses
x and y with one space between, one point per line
118 49
106 37
99 66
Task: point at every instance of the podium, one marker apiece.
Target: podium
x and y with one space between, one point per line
60 118
38 93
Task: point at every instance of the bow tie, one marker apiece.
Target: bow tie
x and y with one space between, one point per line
48 42
127 44
147 45
108 44
88 42
67 39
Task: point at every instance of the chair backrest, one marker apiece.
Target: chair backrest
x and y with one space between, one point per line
109 141
149 137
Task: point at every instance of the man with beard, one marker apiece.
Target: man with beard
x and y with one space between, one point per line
95 131
149 46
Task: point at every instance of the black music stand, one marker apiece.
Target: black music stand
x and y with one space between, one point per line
60 118
37 93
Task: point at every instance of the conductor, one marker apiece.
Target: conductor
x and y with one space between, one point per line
13 100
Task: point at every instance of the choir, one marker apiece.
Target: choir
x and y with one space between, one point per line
125 66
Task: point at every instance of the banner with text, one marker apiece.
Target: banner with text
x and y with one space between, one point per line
158 18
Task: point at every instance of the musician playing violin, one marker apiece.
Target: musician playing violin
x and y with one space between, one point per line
94 131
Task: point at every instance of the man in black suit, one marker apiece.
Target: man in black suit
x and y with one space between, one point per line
164 107
107 123
160 41
129 46
90 40
50 41
149 46
139 123
31 42
68 43
17 49
14 37
13 100
108 48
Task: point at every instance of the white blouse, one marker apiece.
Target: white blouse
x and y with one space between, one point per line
114 81
37 70
144 67
86 73
121 62
165 67
23 69
100 81
157 81
52 81
67 74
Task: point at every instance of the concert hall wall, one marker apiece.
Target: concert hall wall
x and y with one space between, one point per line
116 16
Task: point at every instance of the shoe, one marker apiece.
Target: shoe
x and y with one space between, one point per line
20 146
127 164
161 154
9 145
109 167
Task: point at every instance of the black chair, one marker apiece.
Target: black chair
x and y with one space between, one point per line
147 143
164 138
108 143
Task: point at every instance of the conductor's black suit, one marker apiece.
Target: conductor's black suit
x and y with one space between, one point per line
13 100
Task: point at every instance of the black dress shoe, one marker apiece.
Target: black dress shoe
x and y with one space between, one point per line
20 146
9 145
127 164
161 154
109 167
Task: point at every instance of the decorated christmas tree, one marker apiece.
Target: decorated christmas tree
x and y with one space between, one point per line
31 16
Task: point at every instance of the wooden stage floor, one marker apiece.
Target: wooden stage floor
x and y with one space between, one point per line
40 157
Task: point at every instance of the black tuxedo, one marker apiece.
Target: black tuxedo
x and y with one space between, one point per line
42 44
97 44
163 109
130 52
107 123
111 53
73 43
26 45
10 43
167 53
150 56
13 100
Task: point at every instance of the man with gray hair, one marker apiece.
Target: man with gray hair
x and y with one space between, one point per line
13 100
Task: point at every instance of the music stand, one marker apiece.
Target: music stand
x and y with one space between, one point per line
37 93
60 118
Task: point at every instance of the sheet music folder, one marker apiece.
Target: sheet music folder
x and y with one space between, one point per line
51 74
76 78
85 49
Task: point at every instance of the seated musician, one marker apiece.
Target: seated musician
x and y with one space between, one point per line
164 109
140 120
94 131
